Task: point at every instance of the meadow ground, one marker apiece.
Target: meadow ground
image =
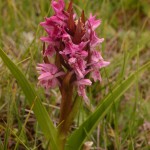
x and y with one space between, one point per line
126 29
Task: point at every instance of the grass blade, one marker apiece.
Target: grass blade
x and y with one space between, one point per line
40 112
1 145
76 140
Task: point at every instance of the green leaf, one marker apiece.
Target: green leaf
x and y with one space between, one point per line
40 112
76 140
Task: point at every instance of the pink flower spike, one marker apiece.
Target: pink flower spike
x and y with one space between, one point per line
73 43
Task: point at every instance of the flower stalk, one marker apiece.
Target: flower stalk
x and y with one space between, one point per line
66 103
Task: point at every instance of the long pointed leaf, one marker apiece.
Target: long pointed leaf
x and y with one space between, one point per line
76 140
40 112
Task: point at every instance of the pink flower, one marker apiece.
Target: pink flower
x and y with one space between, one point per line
97 60
79 66
96 75
95 40
74 50
81 84
50 51
49 75
58 6
73 43
93 22
97 63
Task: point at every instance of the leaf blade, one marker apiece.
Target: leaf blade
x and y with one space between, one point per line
40 112
76 140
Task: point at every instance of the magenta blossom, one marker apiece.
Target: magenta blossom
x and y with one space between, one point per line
74 43
49 75
81 87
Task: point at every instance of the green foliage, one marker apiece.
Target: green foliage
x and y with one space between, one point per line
33 99
125 27
76 140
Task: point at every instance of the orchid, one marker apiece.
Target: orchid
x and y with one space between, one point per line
74 43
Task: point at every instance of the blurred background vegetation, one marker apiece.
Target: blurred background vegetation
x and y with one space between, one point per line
126 29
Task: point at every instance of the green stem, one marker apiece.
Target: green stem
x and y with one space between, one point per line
66 103
68 109
68 122
65 108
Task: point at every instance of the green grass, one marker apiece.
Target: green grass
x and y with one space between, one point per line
125 27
